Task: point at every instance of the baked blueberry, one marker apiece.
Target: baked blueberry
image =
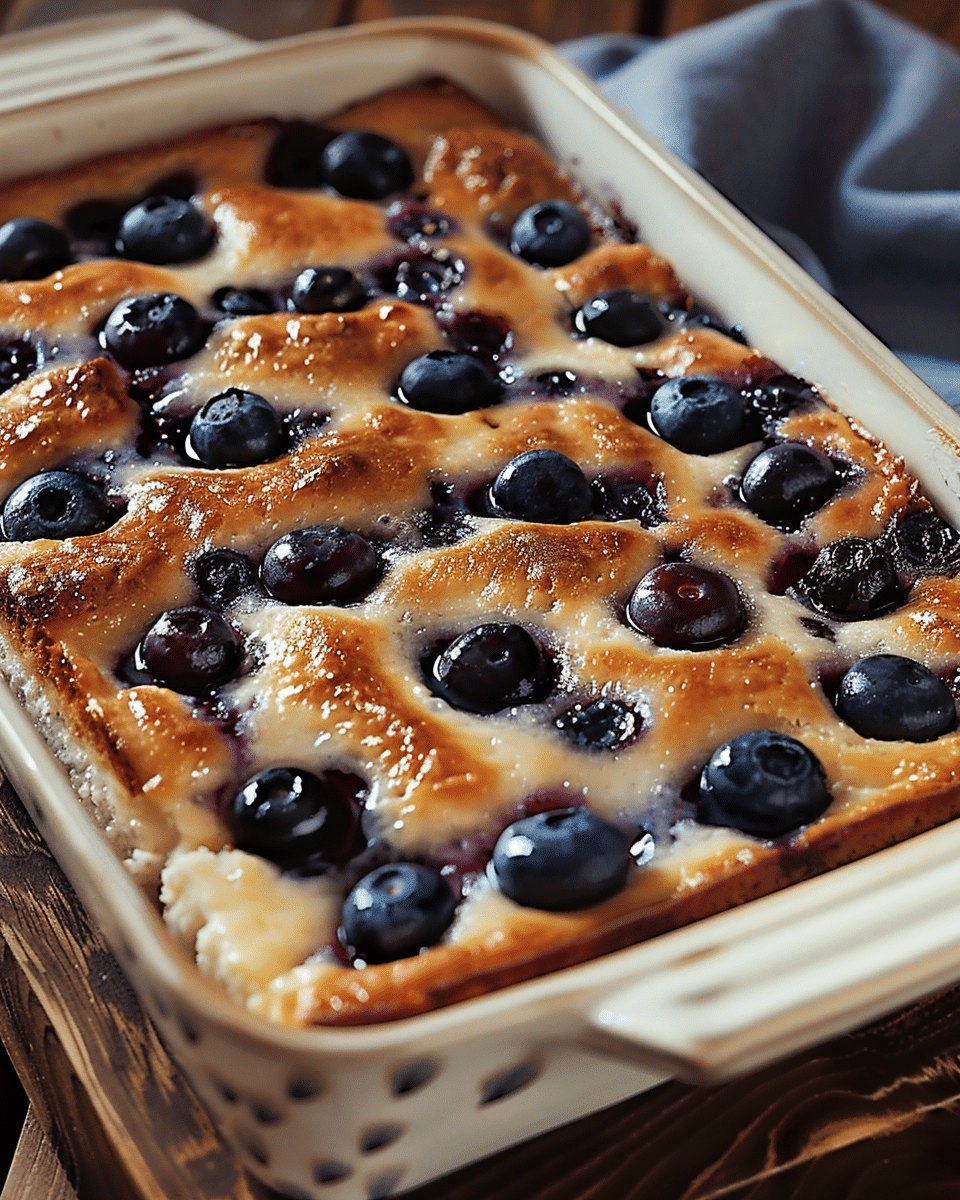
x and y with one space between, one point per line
18 359
163 230
327 289
700 414
236 429
620 316
852 579
31 249
927 543
365 165
605 723
243 302
294 160
54 504
221 575
289 815
778 398
412 221
446 382
764 784
786 483
541 485
491 667
550 234
322 564
895 699
620 496
191 650
557 383
481 335
687 607
395 912
561 860
422 278
94 224
152 330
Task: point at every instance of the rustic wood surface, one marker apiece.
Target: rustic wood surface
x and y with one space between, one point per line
873 1115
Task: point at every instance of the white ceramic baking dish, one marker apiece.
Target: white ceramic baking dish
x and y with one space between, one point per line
360 1112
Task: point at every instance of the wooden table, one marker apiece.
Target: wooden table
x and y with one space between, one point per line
874 1115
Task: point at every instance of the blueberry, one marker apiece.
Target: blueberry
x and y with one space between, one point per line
396 911
243 302
163 230
236 429
620 496
222 575
152 330
700 414
778 398
561 860
687 607
852 579
327 289
365 166
621 317
927 543
412 221
54 504
422 278
446 382
491 667
550 234
705 320
541 485
95 223
895 699
786 483
479 334
18 359
557 383
190 650
605 723
294 160
31 249
289 815
322 564
764 784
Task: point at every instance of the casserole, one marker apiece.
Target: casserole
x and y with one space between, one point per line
364 1111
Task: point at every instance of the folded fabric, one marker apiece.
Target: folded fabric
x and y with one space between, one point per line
837 128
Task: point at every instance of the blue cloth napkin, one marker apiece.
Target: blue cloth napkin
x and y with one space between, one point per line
836 127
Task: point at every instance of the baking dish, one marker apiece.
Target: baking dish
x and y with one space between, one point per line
361 1112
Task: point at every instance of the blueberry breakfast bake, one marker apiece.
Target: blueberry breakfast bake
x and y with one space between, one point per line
420 587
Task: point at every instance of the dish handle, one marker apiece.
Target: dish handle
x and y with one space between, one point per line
738 991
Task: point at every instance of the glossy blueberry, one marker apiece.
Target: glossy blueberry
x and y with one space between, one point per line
54 504
289 815
765 784
221 575
561 860
95 223
396 911
322 564
152 330
243 302
778 398
786 483
479 334
605 723
31 249
163 230
422 278
895 699
687 607
365 166
620 496
700 414
236 429
550 234
621 317
190 650
927 543
541 485
491 667
446 382
327 289
852 579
